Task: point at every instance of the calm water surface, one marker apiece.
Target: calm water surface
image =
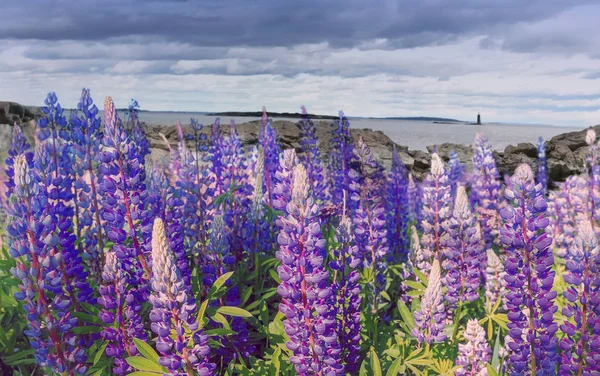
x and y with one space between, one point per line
414 134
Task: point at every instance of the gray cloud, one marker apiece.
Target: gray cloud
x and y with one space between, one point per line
228 23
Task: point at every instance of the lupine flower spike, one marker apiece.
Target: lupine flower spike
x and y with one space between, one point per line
529 277
474 354
307 300
431 318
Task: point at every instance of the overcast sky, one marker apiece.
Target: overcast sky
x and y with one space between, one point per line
534 61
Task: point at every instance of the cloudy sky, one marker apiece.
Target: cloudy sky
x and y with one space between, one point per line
534 61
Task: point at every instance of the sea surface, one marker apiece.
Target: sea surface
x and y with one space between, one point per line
414 134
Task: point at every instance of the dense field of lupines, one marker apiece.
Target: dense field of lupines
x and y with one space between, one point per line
221 261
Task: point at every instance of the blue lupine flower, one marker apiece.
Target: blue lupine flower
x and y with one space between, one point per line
174 309
267 138
581 346
397 211
462 245
415 204
346 267
437 208
341 155
456 172
311 158
486 189
542 172
307 300
86 137
38 268
366 192
529 277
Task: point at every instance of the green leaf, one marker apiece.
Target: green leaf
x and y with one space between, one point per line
88 318
218 284
219 332
395 368
420 275
406 315
100 352
144 364
234 311
86 329
146 350
496 353
143 373
202 310
274 275
415 285
221 320
375 365
491 371
276 361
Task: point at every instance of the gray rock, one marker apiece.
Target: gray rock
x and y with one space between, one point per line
566 153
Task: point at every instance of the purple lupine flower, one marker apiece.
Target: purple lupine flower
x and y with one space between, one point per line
124 197
415 205
542 163
138 135
580 347
235 182
308 302
473 355
219 261
436 208
367 185
397 211
217 164
346 264
486 189
197 188
529 277
462 246
257 229
311 158
31 230
456 172
341 155
267 138
430 320
18 146
568 207
128 224
495 284
86 146
121 314
282 192
174 309
54 172
167 204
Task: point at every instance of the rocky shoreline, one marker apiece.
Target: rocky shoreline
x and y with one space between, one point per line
565 153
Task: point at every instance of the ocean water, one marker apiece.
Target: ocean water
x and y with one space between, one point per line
414 134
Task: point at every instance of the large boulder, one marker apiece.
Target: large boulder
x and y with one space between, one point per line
11 112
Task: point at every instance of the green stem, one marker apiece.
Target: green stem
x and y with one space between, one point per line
456 324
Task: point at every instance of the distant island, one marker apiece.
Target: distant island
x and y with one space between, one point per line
271 114
423 118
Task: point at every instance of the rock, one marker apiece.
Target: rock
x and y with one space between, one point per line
11 113
566 153
525 148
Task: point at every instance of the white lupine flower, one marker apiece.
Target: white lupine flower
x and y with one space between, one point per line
474 354
590 137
